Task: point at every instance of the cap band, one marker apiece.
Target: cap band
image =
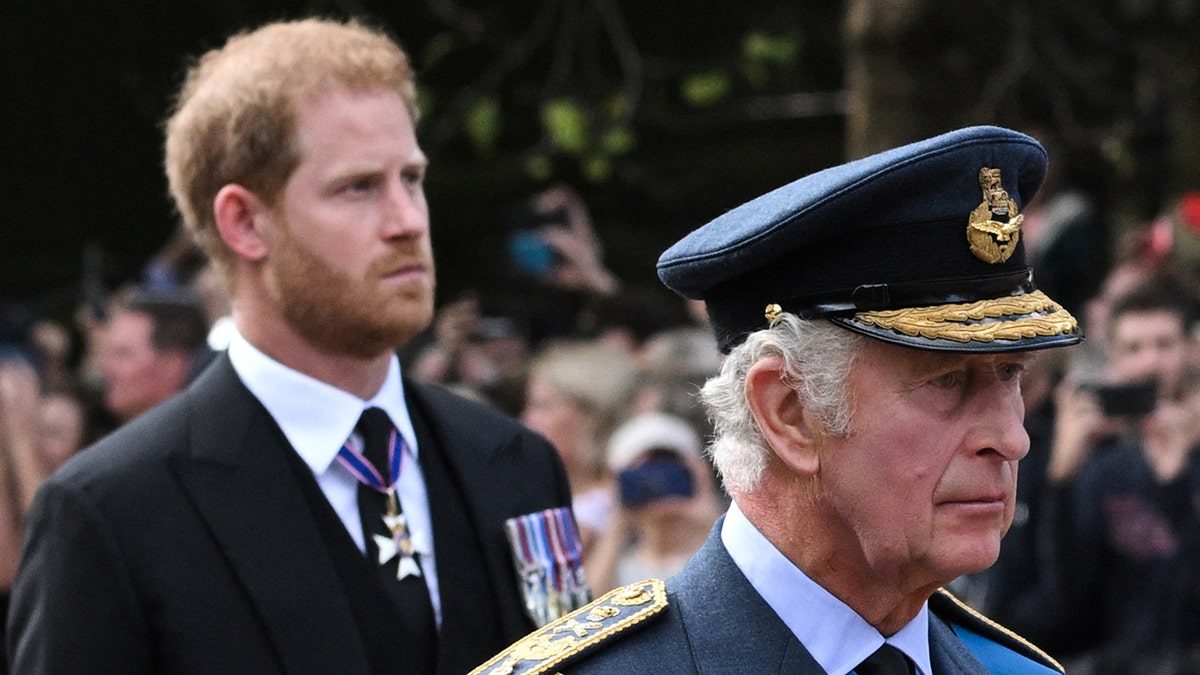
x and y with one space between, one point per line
874 297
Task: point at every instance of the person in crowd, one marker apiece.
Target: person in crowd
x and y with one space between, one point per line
151 347
667 501
63 428
301 507
20 472
868 425
175 264
481 356
1140 258
626 321
672 365
557 283
577 394
1066 227
18 466
554 240
53 345
1148 343
209 288
1122 531
38 432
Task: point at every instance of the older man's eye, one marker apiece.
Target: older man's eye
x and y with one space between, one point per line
948 380
1012 371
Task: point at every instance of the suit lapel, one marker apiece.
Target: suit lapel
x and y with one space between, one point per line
492 486
469 458
469 615
241 483
472 451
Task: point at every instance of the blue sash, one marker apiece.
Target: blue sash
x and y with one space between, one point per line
997 658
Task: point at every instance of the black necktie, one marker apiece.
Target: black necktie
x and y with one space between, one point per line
410 594
887 660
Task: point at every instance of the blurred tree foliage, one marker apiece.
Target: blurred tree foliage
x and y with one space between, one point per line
662 114
573 84
1113 86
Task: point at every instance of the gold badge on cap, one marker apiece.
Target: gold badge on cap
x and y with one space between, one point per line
772 312
995 225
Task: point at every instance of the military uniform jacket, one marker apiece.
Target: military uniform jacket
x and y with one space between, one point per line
184 543
710 620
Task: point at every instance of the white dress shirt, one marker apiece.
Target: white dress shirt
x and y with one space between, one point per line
318 419
836 637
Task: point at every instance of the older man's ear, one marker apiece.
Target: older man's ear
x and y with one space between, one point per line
789 428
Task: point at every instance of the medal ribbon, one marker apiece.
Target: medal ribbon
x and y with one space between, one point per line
548 553
557 551
366 473
541 541
400 542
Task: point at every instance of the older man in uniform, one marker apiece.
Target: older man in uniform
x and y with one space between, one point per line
877 318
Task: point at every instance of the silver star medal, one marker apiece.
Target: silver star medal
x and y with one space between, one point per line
399 544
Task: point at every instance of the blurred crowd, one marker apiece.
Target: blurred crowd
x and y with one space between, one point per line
1101 567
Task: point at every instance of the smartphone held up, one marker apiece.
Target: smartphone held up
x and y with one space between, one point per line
1130 399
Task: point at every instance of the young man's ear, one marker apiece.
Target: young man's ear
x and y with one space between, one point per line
786 425
240 217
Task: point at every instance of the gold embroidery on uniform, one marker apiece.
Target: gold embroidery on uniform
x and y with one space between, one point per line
950 322
505 668
542 647
541 651
601 613
579 629
994 227
633 595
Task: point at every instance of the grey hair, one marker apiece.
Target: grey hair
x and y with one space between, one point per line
817 357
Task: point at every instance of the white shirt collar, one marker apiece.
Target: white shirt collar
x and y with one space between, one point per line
316 417
836 637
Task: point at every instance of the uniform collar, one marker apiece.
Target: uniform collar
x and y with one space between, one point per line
833 633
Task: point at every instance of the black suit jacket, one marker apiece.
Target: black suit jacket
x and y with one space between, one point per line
182 543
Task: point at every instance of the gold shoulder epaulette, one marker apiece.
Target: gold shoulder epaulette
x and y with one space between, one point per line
603 619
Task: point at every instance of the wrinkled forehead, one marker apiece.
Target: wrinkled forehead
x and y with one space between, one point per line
915 363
